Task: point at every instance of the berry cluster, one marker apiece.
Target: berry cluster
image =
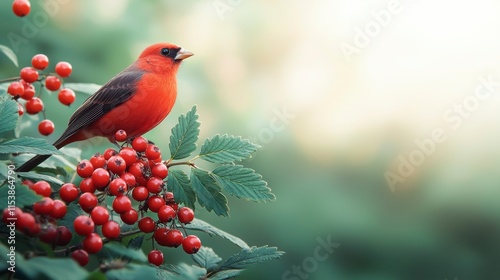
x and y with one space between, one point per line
21 8
23 88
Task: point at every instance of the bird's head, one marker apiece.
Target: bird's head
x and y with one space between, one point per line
163 57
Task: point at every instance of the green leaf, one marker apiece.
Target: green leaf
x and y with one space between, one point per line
132 272
207 258
87 88
49 268
253 255
201 225
74 210
136 242
28 145
4 170
23 195
9 54
114 250
178 183
208 192
54 182
225 274
226 149
243 183
184 135
181 272
8 111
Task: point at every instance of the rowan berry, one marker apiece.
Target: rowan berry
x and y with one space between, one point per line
21 8
63 69
52 83
40 61
66 96
46 127
191 244
155 257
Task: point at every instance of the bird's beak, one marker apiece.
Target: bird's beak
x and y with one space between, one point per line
183 54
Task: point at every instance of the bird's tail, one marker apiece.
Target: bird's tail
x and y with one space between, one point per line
32 163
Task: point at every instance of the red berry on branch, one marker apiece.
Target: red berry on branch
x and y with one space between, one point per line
49 234
129 179
129 155
129 217
59 210
174 238
140 193
100 215
68 192
140 144
153 152
52 83
15 89
191 244
63 69
46 127
27 224
155 257
87 185
122 204
21 8
9 214
44 206
81 257
111 230
147 225
29 92
137 169
64 236
66 96
87 201
185 215
155 202
100 178
166 213
84 168
109 152
160 236
29 74
120 135
159 170
117 164
83 225
155 185
40 61
34 106
98 160
42 188
92 243
118 187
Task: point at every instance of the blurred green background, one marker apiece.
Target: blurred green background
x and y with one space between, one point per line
361 82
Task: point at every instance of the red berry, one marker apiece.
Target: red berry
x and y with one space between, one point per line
81 257
147 225
49 234
122 204
185 215
42 188
140 144
87 185
87 201
11 214
68 192
100 215
66 96
29 92
140 193
92 243
100 178
83 225
174 238
155 202
84 168
59 210
29 74
166 214
155 257
46 127
120 135
153 152
111 230
40 61
160 236
34 106
159 170
155 185
117 164
15 89
52 83
98 160
191 244
169 197
129 217
20 109
44 206
129 179
63 69
27 224
129 155
137 169
21 8
118 187
64 236
109 152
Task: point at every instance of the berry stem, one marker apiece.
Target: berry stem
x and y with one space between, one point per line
13 79
169 164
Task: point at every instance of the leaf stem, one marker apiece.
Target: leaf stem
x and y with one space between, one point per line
13 79
181 163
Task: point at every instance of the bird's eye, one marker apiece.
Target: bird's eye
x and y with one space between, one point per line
165 51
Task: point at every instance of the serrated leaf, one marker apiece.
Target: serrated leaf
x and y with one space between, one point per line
253 255
114 250
178 183
207 258
23 195
9 54
201 225
181 272
136 242
225 274
184 135
87 88
4 170
28 145
208 192
8 111
243 183
132 272
226 149
49 268
54 182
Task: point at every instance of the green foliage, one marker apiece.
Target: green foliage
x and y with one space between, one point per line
54 182
206 258
225 149
184 135
208 192
28 145
23 195
9 54
251 255
8 111
114 250
49 268
179 183
200 225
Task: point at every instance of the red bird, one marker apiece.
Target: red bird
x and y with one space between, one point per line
136 100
